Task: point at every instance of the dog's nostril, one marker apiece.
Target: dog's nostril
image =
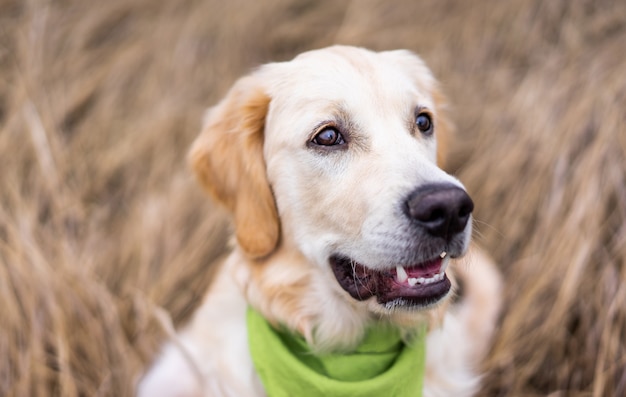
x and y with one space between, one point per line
466 209
442 210
428 214
437 213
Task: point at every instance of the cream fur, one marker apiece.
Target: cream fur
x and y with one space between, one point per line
323 203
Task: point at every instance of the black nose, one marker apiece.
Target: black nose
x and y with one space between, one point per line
442 210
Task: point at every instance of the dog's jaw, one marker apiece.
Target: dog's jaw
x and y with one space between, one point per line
418 286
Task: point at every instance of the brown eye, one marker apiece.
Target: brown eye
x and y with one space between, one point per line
328 137
424 124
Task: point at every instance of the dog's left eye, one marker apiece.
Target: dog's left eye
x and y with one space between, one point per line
329 136
424 123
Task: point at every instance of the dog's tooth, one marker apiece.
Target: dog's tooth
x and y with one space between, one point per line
401 274
443 254
421 280
444 265
412 281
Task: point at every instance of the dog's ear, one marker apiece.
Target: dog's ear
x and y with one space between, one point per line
444 128
228 159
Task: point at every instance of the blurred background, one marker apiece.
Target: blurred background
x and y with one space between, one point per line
105 238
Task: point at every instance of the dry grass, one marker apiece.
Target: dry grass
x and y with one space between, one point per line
101 224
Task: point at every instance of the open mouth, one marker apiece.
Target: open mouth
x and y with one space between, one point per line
418 285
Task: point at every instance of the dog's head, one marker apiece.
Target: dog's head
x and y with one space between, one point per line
334 155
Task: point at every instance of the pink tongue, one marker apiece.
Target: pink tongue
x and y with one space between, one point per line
427 269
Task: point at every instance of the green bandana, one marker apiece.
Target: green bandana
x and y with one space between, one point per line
383 365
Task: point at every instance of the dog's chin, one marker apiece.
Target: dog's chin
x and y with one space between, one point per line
418 286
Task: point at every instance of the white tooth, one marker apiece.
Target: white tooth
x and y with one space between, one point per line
413 281
444 265
443 254
421 280
401 274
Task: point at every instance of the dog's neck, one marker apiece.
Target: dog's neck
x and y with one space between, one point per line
299 297
382 363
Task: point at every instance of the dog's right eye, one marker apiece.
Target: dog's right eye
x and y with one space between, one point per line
329 136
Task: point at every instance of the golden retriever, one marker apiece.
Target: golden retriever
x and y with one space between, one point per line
343 219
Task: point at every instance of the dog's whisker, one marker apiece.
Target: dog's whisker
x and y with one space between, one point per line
488 225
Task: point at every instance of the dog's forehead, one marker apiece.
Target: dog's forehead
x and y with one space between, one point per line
393 81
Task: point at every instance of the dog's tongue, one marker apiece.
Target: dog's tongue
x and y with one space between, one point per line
423 270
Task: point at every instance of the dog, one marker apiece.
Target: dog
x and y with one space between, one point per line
344 221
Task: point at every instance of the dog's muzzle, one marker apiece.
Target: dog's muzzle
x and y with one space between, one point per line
441 212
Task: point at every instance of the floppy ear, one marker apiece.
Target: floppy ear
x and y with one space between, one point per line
228 160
